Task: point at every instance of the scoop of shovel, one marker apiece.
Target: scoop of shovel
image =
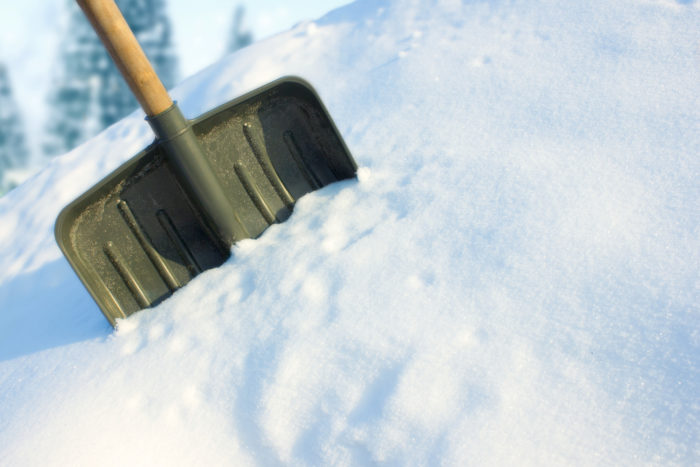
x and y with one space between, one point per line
175 209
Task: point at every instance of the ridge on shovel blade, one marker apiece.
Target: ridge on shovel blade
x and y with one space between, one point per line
137 236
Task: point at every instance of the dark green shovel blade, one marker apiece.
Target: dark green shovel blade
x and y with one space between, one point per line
135 238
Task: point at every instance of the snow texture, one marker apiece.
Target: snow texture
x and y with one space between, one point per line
513 278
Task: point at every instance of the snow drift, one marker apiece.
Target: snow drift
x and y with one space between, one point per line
512 279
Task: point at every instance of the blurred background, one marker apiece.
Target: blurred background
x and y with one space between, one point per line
58 87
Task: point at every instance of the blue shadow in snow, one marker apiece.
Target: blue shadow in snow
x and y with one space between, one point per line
46 308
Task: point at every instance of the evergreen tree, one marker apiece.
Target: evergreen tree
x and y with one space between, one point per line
80 59
13 148
89 93
240 37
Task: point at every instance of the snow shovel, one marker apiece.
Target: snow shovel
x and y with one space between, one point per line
175 209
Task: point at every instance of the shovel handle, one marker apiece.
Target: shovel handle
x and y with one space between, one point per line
110 25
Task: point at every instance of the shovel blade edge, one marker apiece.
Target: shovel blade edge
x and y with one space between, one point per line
136 237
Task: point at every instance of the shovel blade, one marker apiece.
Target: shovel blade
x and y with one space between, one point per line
136 237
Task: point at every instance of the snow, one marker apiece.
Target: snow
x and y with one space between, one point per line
511 280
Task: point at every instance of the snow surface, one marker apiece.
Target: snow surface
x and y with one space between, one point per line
513 279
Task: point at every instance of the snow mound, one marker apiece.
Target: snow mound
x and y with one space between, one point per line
512 279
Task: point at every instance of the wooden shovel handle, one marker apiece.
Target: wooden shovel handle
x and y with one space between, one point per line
110 25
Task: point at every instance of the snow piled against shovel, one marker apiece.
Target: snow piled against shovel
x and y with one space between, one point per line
512 279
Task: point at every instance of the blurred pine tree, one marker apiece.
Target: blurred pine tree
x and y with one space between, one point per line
240 37
13 148
88 93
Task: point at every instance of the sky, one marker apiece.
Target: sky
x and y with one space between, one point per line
201 33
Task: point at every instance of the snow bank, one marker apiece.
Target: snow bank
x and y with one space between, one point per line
513 278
